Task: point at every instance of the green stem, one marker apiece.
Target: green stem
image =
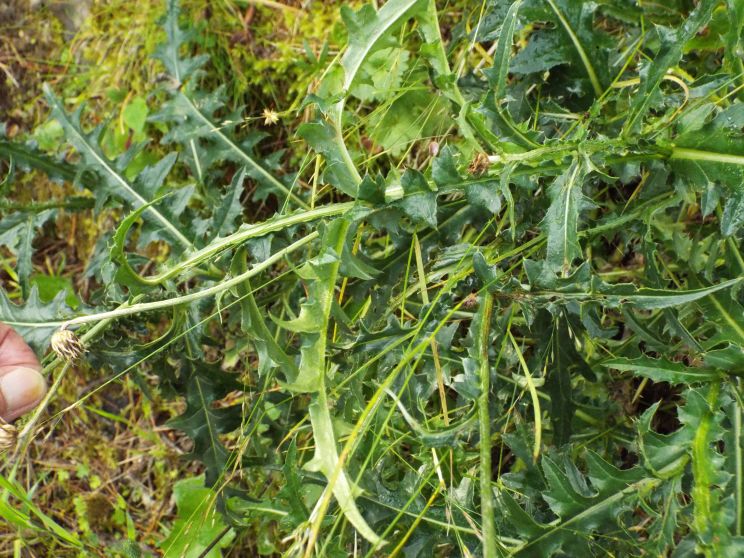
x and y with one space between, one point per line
211 291
390 14
738 407
429 24
628 153
702 498
326 458
34 159
711 156
552 152
247 232
483 322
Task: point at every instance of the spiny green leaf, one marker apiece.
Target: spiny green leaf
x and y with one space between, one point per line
113 183
580 508
564 362
662 370
659 298
710 157
169 52
229 209
17 232
198 522
201 421
561 222
36 320
253 323
498 72
322 137
193 114
28 157
419 201
192 119
723 310
670 52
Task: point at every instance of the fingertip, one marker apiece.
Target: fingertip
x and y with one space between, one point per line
21 389
14 351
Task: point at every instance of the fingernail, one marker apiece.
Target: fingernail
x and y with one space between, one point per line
21 389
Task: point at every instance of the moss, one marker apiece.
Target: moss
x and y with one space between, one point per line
265 55
29 43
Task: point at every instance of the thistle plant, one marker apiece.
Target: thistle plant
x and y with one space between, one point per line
450 331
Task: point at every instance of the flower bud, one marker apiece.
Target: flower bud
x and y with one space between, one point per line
66 345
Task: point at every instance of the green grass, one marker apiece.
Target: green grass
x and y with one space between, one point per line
478 292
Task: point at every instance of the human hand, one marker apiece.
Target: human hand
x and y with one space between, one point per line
21 384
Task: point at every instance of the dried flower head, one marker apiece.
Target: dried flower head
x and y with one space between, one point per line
8 435
271 117
479 164
66 345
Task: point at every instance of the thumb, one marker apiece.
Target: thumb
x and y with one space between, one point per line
21 384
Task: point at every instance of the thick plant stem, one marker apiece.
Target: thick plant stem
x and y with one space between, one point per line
703 503
739 523
483 321
352 60
708 156
626 151
211 291
247 232
429 25
326 458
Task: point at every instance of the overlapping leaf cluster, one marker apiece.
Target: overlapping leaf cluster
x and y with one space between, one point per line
548 206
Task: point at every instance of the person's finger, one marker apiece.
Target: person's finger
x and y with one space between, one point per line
21 385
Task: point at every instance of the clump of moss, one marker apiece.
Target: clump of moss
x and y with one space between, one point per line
268 55
29 43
